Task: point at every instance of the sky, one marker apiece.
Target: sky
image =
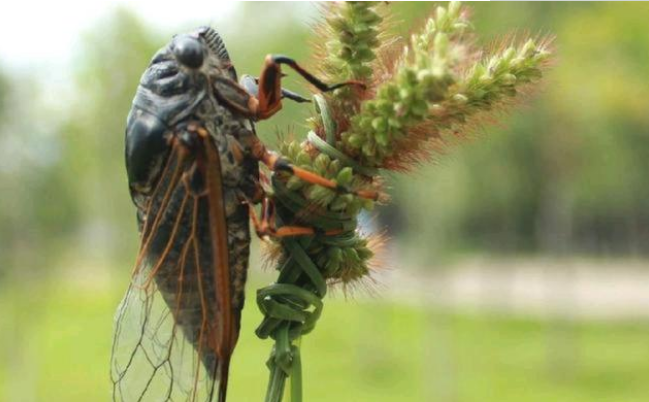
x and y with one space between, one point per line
35 33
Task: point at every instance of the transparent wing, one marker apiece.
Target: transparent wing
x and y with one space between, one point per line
169 328
152 360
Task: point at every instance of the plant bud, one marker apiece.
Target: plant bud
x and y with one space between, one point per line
508 79
344 177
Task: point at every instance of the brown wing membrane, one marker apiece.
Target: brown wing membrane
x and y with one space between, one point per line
175 328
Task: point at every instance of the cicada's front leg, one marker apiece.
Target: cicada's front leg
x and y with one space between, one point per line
262 98
268 101
251 84
270 93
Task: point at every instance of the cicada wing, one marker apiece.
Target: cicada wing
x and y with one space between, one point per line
169 329
153 359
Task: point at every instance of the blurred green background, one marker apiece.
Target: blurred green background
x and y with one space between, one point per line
518 261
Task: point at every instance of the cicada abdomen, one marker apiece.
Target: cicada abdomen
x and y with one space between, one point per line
188 165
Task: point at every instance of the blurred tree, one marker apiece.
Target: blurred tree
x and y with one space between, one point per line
4 224
36 209
566 175
4 87
603 94
111 59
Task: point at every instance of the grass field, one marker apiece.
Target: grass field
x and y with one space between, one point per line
55 344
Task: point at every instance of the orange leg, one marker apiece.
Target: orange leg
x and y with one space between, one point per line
269 94
265 99
276 163
266 225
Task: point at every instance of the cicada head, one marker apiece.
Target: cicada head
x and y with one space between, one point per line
203 51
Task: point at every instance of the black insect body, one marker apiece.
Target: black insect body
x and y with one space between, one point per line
192 158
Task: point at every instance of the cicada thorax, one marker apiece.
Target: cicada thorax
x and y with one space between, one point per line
169 164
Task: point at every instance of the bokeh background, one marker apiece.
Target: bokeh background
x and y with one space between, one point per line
517 269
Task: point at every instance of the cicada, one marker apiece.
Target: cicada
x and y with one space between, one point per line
192 158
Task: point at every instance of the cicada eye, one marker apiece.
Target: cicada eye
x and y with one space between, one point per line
188 51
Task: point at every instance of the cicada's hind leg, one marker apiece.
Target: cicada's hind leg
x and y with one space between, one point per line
269 86
279 164
265 226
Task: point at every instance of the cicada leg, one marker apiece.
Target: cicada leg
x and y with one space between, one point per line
269 91
265 226
251 85
261 98
279 164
